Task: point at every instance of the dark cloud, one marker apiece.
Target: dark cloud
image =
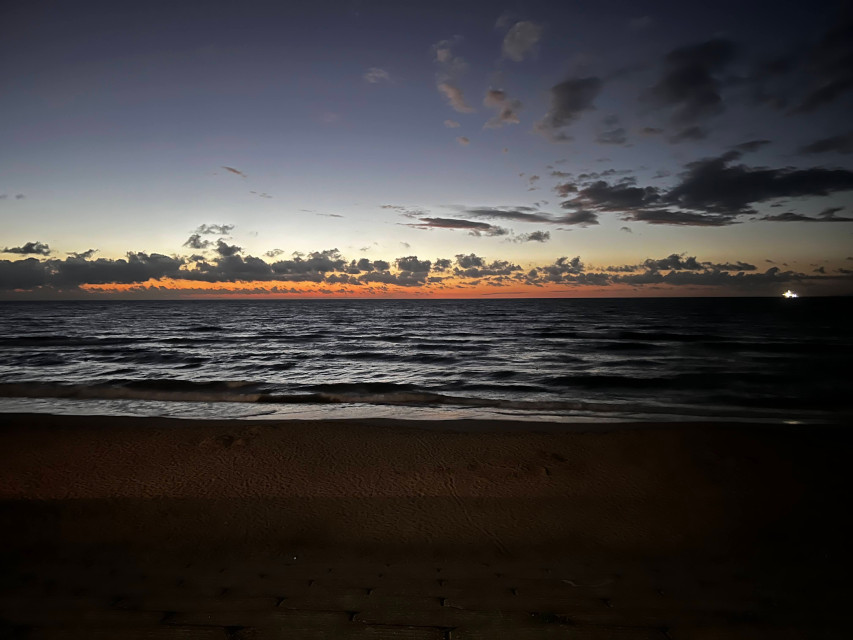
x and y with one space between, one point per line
226 250
827 215
28 273
506 108
689 86
195 242
317 263
463 141
829 66
136 267
473 228
215 229
534 236
751 145
569 100
83 255
676 217
30 248
273 253
673 262
411 263
715 185
235 171
581 217
473 266
603 196
842 143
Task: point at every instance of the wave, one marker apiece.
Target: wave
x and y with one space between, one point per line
377 393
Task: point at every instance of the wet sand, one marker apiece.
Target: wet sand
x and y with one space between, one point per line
149 528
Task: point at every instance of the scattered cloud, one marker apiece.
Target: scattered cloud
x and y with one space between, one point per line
83 255
507 109
215 229
227 250
375 74
520 41
463 141
690 86
533 236
472 227
569 100
455 97
235 171
195 242
30 248
451 124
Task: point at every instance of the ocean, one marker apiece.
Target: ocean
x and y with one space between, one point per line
663 359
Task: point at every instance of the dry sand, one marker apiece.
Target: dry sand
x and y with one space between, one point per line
748 516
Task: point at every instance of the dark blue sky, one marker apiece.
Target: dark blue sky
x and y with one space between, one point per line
522 133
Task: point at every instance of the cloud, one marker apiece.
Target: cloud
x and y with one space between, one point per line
226 250
520 41
519 214
19 196
273 253
375 74
751 145
412 264
215 229
581 217
626 229
507 110
673 262
533 236
195 242
569 100
463 141
235 171
715 185
473 228
83 255
30 248
455 97
842 143
689 86
827 215
451 124
829 67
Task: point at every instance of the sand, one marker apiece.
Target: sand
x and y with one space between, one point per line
431 529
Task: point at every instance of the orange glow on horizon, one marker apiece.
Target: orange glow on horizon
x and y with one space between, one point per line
279 289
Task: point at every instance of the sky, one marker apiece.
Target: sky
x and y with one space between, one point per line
425 149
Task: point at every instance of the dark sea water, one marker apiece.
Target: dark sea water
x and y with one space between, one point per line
661 359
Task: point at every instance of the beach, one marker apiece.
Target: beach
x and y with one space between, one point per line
153 527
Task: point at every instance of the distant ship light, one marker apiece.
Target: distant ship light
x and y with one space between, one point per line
789 294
